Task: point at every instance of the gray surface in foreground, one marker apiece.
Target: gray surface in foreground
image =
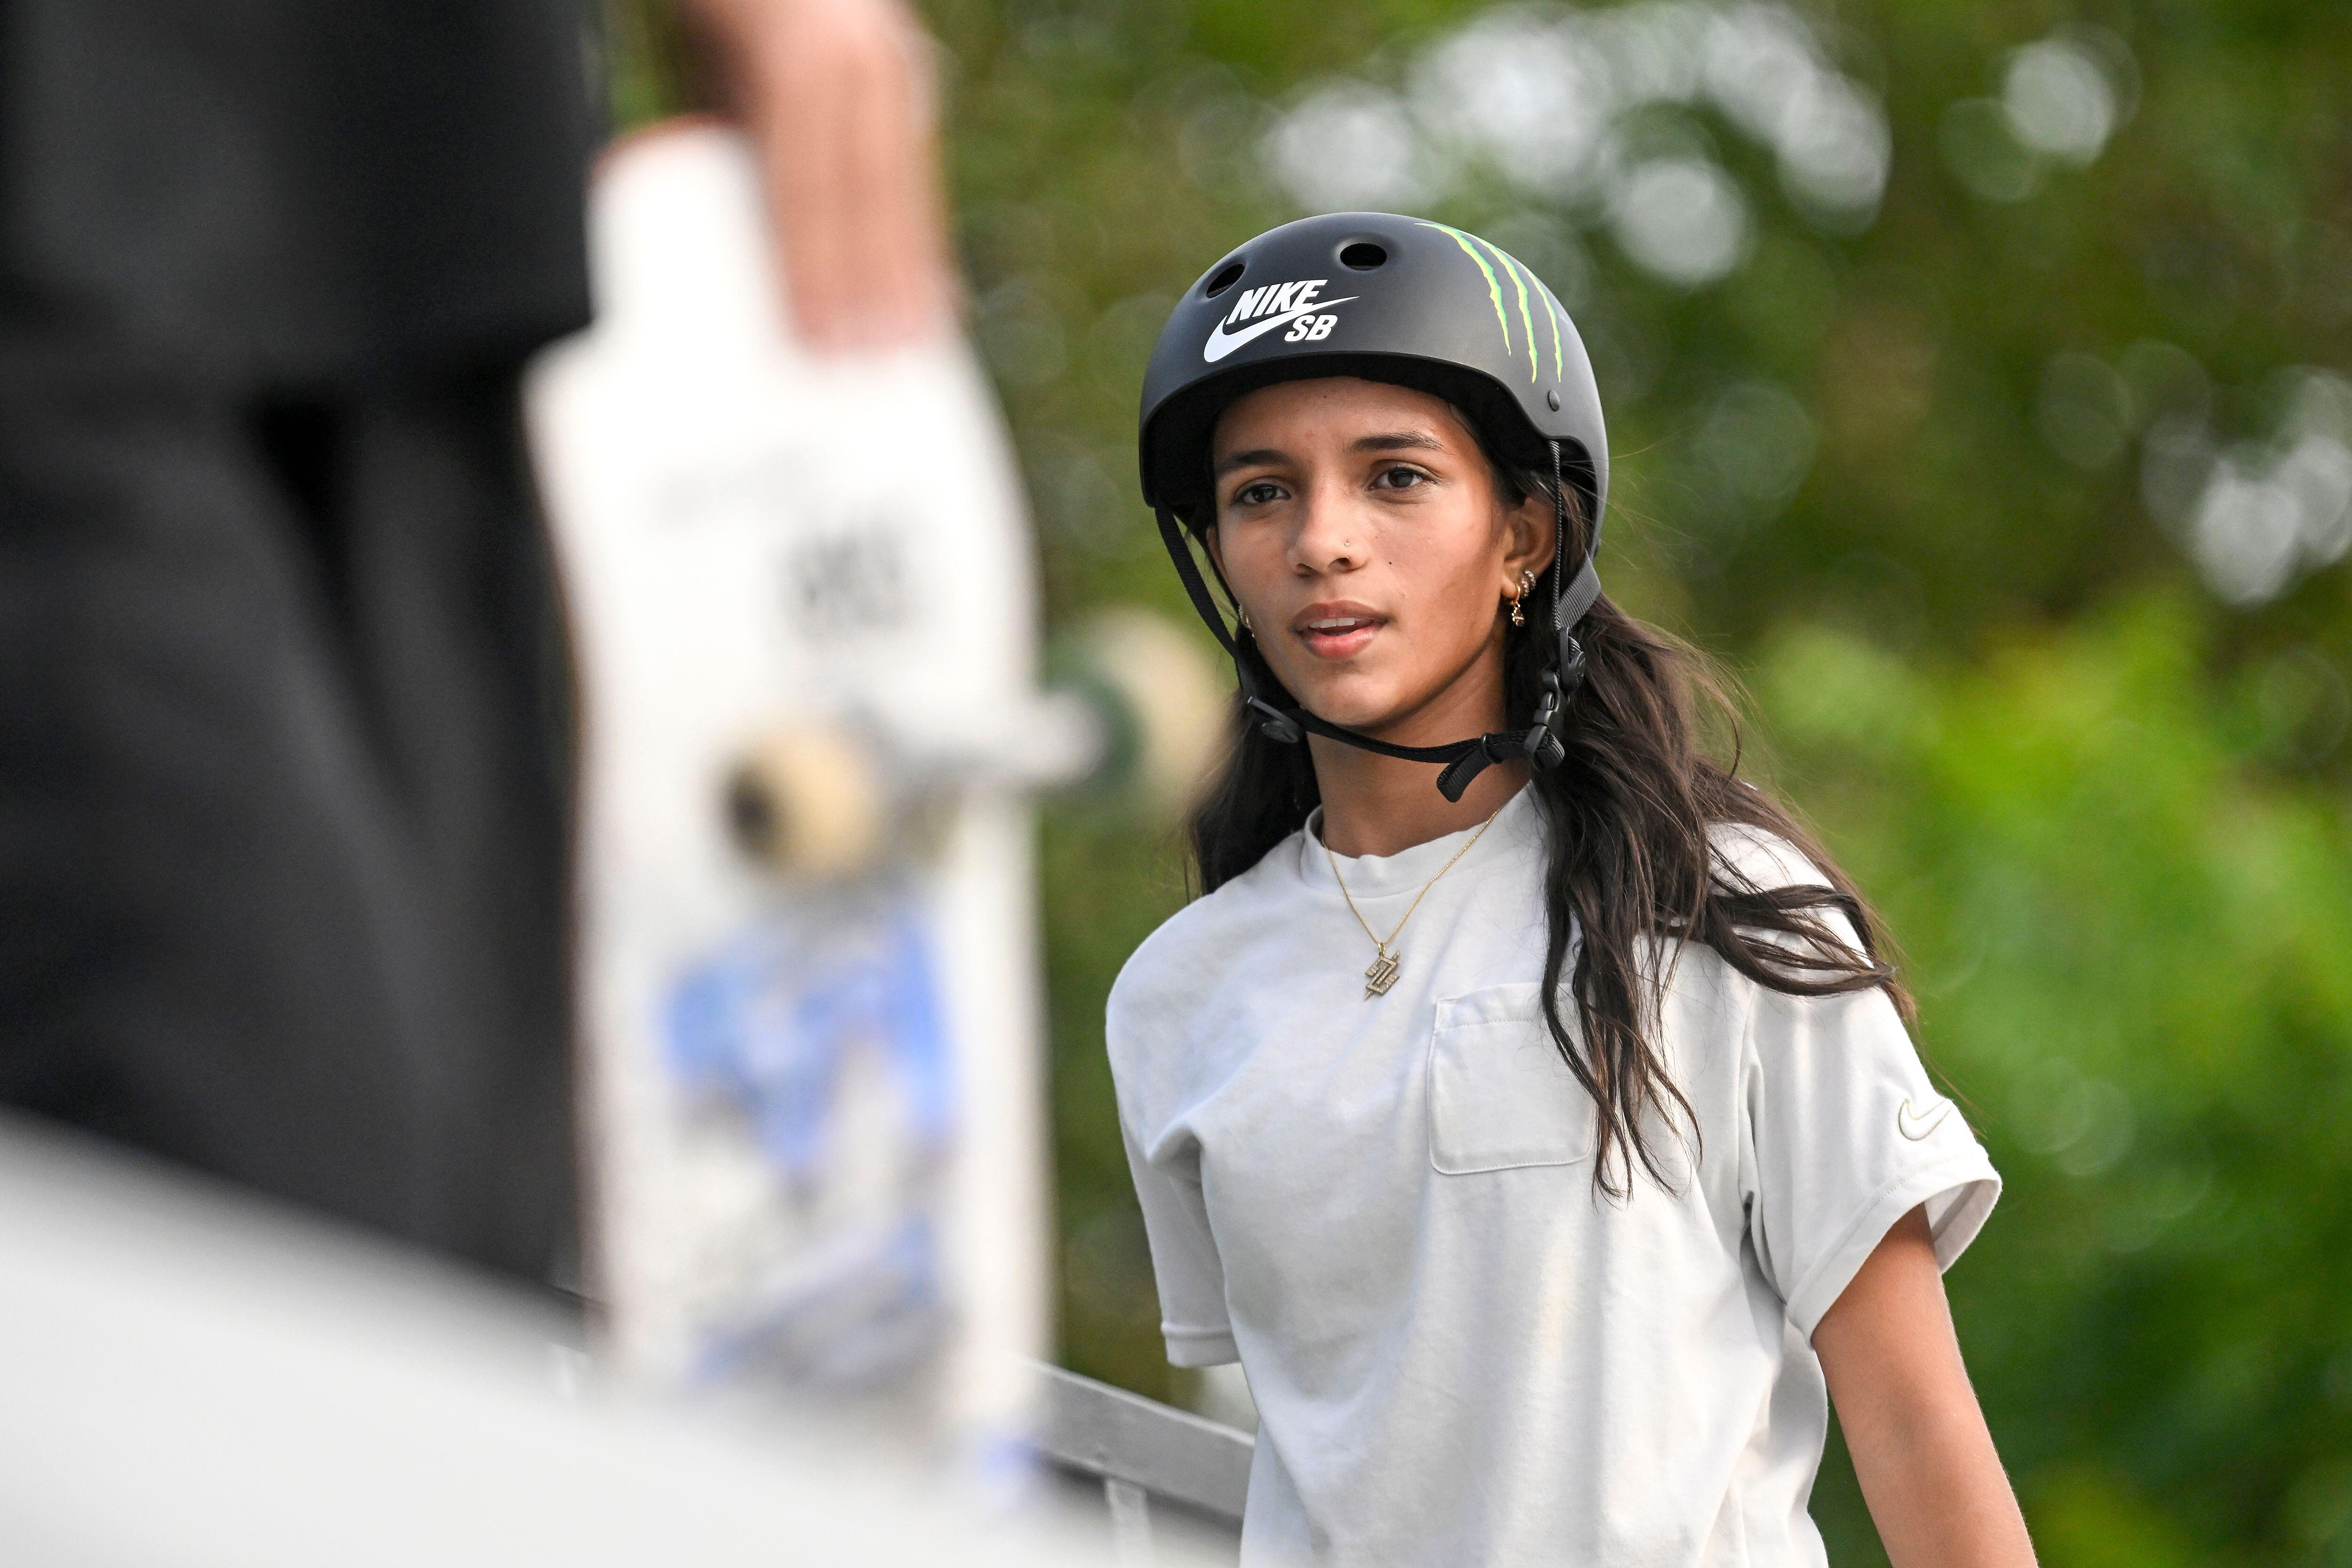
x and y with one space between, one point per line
194 1379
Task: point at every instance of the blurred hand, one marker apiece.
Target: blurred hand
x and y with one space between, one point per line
838 98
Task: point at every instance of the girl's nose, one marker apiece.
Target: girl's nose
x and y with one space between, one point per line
1330 535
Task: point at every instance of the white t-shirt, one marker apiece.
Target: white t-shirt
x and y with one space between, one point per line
1462 1354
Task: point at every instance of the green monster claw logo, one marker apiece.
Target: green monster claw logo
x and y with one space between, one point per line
1520 278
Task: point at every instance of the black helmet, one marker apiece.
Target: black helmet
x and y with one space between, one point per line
1397 300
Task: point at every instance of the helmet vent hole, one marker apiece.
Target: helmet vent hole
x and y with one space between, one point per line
1227 276
1363 255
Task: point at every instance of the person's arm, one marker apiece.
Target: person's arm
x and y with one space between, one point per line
837 96
1926 1464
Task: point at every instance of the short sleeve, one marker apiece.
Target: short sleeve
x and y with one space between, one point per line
1845 1135
1192 1317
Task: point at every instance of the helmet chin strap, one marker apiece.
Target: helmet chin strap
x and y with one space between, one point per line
1462 760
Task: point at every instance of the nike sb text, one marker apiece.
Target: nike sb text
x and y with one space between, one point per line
1274 299
1261 309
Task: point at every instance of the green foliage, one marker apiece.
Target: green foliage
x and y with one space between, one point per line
2133 946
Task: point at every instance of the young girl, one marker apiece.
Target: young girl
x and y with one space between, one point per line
1540 1134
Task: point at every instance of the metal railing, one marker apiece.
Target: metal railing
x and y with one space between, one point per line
1142 1451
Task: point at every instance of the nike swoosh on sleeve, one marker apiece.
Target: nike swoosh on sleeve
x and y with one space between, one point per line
1905 1119
1222 342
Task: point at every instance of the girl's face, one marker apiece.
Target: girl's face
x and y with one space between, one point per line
1359 525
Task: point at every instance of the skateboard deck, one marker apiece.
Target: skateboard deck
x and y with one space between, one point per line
804 609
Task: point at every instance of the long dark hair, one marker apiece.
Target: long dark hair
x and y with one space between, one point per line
1627 818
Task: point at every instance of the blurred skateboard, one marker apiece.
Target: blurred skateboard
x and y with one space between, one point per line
803 601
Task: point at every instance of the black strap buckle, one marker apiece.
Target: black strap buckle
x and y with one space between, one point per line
1273 724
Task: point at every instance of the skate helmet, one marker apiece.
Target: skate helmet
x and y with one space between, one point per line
1415 303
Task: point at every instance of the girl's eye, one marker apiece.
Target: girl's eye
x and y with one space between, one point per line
1400 478
1257 494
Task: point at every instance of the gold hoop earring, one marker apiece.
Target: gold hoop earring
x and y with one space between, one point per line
1527 586
1242 615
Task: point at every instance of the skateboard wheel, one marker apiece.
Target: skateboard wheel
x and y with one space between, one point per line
809 802
1165 702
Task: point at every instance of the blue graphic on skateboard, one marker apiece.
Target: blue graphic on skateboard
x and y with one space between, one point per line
769 1032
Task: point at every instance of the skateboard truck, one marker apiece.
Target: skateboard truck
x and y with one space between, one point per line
1136 714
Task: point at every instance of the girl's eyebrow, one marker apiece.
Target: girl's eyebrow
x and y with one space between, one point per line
1397 441
1388 441
1248 459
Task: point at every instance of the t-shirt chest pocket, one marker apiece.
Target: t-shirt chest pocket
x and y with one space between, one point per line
1500 1097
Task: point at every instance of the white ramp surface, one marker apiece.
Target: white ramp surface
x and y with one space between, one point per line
189 1379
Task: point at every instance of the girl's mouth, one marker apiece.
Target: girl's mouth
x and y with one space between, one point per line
1337 632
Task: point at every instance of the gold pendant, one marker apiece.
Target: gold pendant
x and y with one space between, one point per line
1382 974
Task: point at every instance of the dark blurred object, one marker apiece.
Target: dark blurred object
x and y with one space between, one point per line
295 190
281 789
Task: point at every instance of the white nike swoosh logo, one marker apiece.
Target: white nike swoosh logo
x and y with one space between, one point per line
1915 1126
1222 342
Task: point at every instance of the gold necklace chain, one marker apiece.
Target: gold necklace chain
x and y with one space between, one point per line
1384 971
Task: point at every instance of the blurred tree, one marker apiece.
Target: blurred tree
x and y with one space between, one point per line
2133 945
1975 374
